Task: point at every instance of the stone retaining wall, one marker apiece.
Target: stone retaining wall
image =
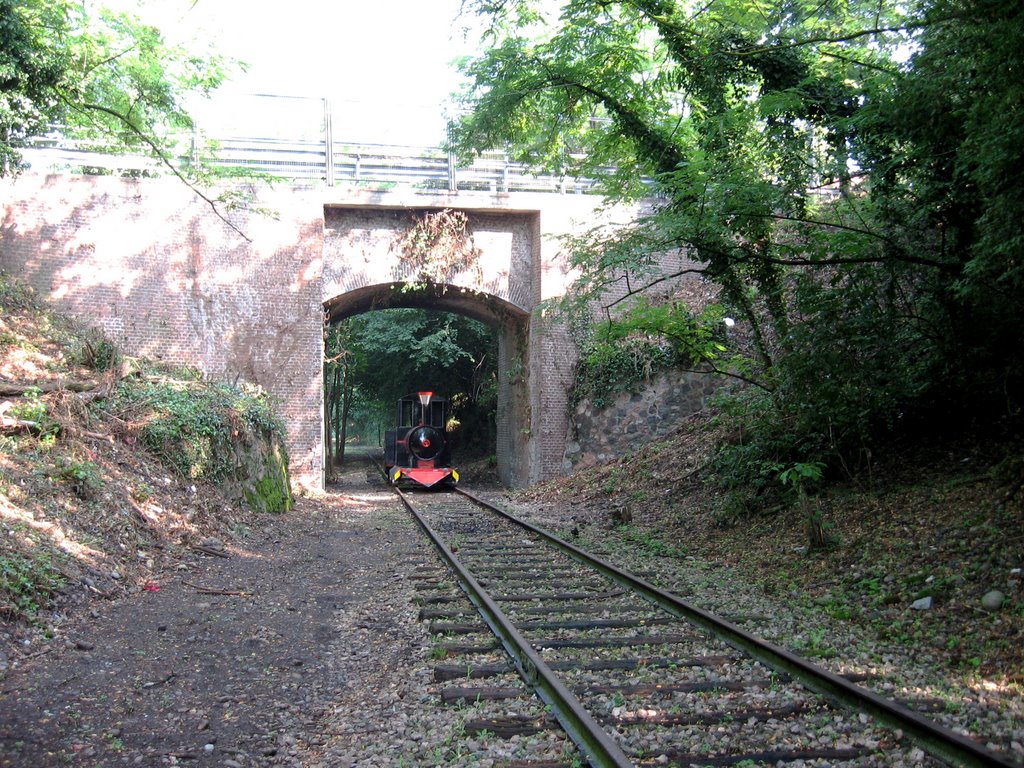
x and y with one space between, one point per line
653 409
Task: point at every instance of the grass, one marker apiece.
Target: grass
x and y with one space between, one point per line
651 542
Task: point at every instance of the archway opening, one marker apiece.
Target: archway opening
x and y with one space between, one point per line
384 341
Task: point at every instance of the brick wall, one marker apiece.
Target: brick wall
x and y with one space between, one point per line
149 263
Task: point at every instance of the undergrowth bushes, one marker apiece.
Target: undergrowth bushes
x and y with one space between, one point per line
191 425
28 581
608 367
646 339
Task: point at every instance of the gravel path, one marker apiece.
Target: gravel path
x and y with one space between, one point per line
301 647
233 661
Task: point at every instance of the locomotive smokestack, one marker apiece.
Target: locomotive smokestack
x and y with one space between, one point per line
425 398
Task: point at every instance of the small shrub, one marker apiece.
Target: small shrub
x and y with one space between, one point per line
737 506
83 477
94 351
33 408
142 492
28 582
17 296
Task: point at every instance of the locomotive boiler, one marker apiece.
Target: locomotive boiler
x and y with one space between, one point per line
418 449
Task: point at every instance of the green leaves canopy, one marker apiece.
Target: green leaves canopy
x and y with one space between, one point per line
101 75
394 352
846 175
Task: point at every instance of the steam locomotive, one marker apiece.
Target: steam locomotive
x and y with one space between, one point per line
418 448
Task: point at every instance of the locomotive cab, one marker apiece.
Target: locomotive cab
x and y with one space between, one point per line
418 448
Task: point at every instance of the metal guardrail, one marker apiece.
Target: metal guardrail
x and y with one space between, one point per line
298 144
318 162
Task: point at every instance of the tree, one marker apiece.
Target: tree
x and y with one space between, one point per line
96 72
100 75
945 147
345 362
858 213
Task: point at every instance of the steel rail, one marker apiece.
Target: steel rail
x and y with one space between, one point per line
586 733
933 738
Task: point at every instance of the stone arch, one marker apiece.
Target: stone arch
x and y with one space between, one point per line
487 308
362 248
512 323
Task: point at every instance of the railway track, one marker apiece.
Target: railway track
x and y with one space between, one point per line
636 676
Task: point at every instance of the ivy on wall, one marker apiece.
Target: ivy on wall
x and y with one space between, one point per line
647 338
436 248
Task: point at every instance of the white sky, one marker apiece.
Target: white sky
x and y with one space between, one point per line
386 66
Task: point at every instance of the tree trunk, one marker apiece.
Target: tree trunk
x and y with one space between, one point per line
346 405
816 539
329 455
336 395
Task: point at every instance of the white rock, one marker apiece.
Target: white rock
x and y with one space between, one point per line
993 600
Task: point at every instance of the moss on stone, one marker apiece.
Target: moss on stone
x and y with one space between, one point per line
271 494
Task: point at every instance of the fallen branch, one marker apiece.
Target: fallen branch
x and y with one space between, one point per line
37 654
208 551
97 436
100 592
215 591
19 388
86 389
166 679
18 426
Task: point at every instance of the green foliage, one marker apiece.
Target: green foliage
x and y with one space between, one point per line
650 542
191 426
608 367
801 475
33 408
28 581
32 70
857 214
104 75
83 477
93 350
390 353
271 492
16 296
644 340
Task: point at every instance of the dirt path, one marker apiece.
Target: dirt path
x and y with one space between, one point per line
179 676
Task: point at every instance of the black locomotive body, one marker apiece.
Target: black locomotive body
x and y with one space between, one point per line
418 449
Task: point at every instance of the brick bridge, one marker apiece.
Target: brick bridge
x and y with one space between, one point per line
153 266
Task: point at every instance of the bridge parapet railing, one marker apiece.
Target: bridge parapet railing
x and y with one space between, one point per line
309 161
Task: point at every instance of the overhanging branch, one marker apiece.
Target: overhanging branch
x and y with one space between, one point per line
148 140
